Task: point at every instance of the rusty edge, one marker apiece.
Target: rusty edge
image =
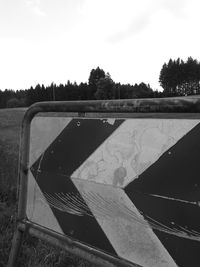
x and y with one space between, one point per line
80 107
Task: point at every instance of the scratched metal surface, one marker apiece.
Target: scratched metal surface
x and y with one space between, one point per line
103 190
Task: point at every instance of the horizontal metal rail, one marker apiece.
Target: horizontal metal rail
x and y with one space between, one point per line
76 248
176 104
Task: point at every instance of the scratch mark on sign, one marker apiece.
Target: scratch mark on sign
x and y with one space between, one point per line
66 203
107 208
175 199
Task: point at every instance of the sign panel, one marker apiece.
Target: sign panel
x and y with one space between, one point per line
126 186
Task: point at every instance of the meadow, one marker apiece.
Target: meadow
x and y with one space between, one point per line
34 252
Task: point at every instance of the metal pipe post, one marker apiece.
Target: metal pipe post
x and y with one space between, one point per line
15 248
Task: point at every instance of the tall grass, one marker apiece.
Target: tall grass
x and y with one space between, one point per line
8 172
10 121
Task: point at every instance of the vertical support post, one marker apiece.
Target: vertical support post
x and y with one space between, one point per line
15 248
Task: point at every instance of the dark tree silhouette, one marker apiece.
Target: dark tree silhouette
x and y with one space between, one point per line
180 78
99 86
95 75
105 88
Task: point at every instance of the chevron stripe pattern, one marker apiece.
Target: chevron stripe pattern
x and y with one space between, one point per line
129 187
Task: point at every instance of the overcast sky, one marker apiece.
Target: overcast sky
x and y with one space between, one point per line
44 41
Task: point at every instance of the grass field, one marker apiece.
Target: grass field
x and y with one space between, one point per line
34 252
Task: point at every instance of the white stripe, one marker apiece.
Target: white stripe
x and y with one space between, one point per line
44 131
128 232
131 149
38 210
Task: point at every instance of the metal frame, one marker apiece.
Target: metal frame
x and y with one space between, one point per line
111 107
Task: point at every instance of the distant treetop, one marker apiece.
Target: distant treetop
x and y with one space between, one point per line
180 78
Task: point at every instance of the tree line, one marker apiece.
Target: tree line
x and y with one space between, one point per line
177 77
99 86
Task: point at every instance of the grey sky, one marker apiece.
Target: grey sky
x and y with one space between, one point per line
46 40
141 21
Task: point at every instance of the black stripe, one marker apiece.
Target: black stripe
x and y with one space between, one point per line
175 175
52 171
82 228
75 144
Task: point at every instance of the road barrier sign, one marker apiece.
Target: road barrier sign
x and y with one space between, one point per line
117 187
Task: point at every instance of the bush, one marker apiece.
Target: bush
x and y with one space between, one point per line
15 102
